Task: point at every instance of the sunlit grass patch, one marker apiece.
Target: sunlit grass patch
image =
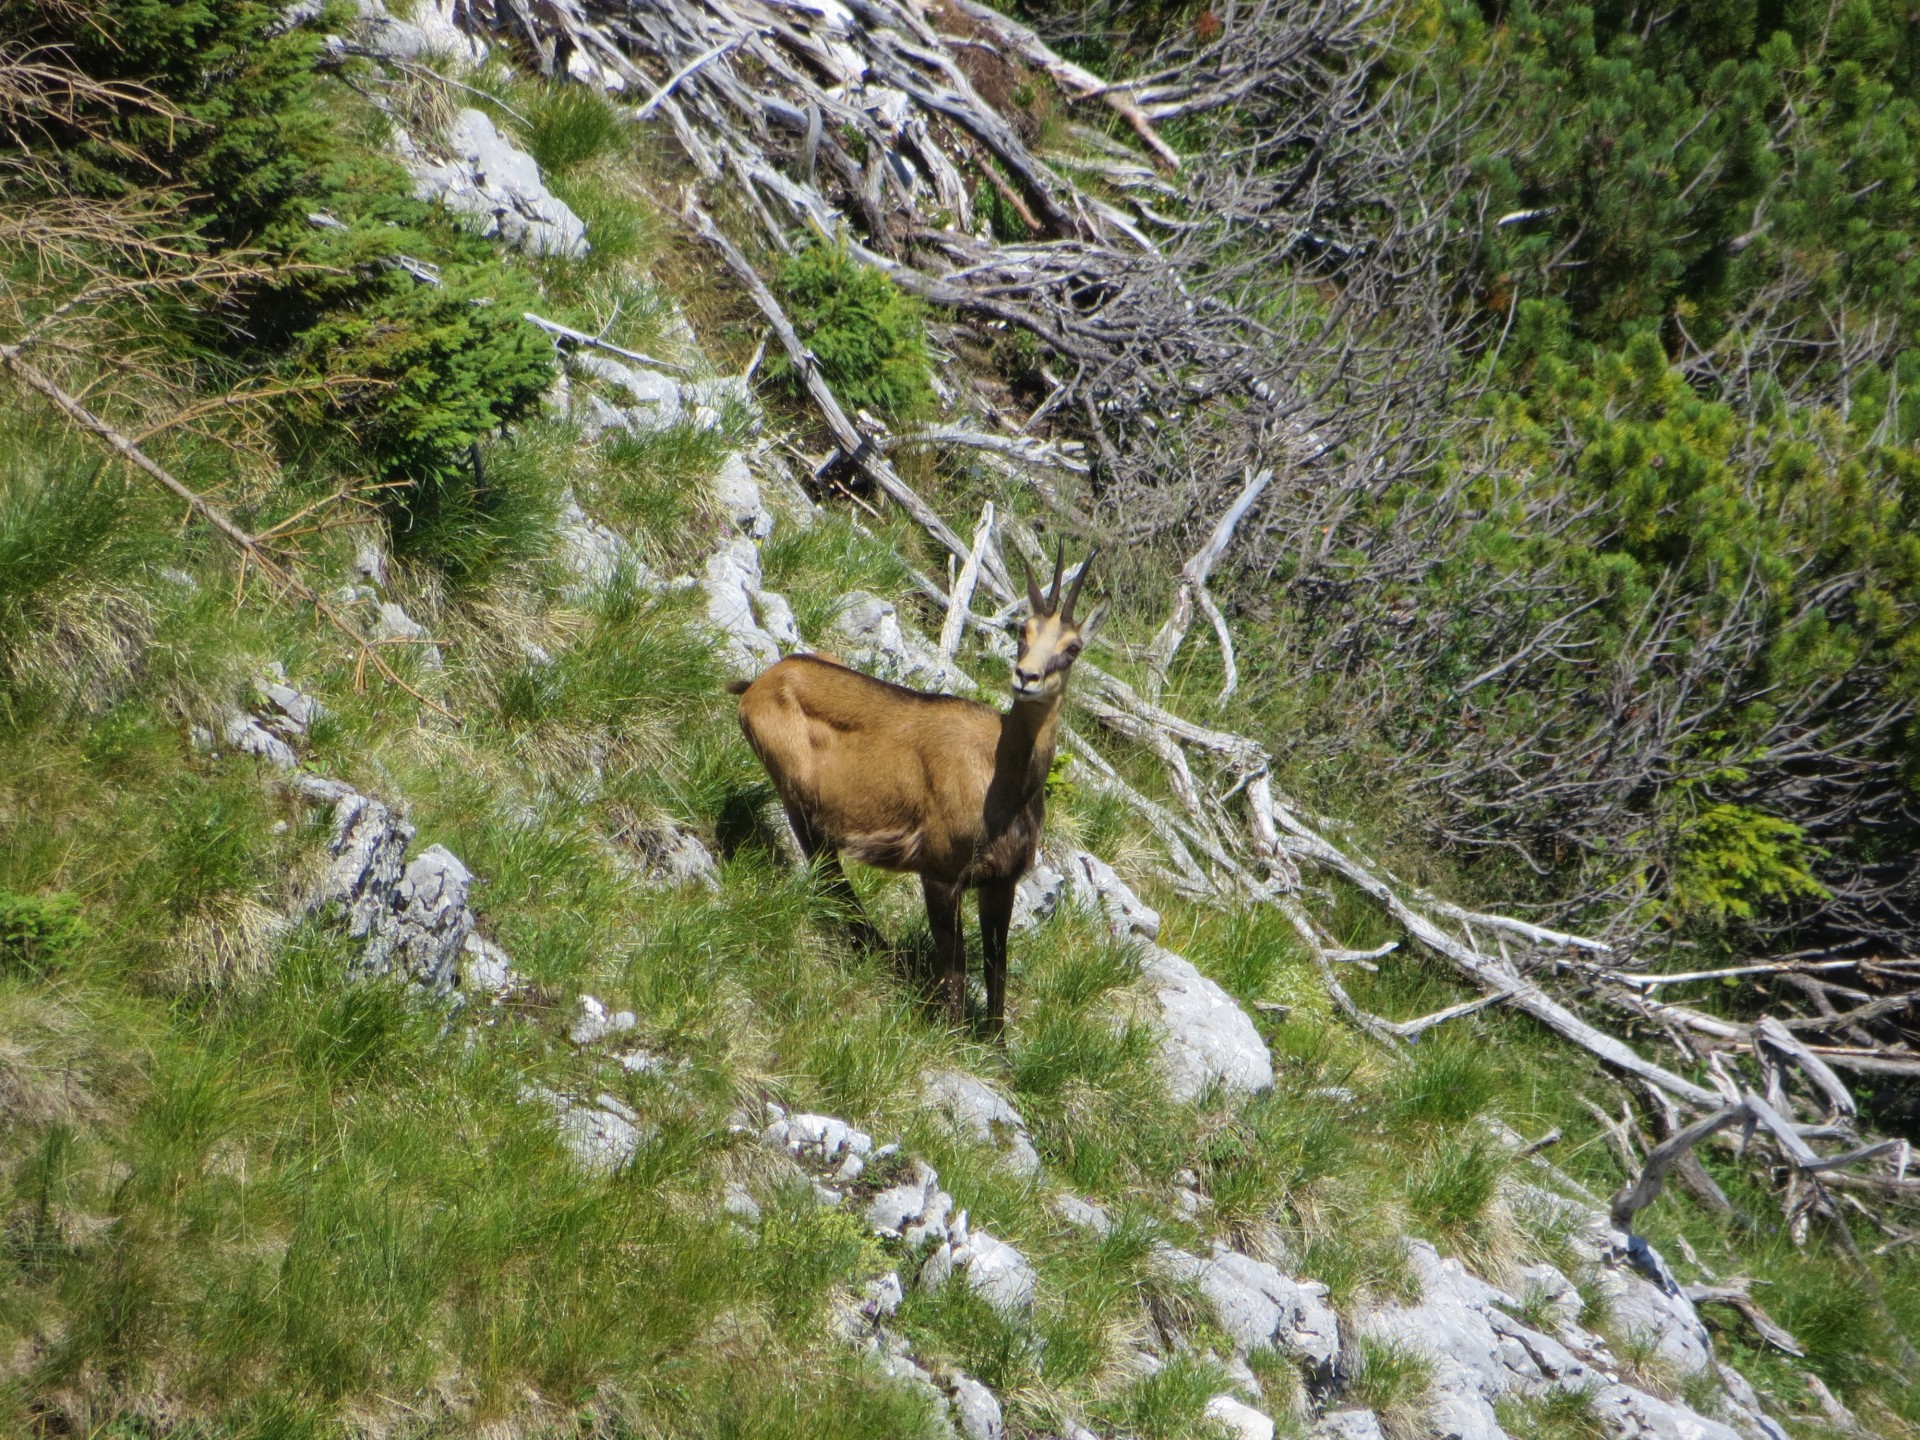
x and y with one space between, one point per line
1393 1381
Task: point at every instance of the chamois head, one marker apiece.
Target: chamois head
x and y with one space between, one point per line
1050 639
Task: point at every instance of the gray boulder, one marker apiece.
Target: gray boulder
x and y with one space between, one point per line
603 1134
1260 1308
1481 1354
983 1115
877 643
738 494
1347 1425
592 554
1091 882
1209 1040
996 1272
653 400
731 583
428 926
1238 1418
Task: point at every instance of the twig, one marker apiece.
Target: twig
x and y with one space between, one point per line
580 337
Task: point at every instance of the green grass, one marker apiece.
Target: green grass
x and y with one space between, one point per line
1555 1415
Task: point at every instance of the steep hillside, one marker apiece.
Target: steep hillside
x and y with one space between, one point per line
413 1018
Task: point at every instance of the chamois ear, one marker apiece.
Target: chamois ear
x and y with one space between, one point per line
1090 626
1036 602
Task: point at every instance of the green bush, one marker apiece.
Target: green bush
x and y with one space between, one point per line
867 333
246 137
249 144
36 933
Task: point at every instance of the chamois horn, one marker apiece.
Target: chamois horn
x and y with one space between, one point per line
1036 602
1073 590
1059 569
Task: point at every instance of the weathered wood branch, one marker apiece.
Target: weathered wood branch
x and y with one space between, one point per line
1192 583
961 601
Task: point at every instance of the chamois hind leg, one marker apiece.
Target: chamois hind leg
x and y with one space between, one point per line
996 913
824 856
949 945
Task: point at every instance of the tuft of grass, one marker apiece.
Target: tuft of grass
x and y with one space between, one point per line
1169 1404
1451 1080
572 125
1393 1381
1555 1414
1455 1198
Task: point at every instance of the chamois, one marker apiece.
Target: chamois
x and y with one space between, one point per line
949 789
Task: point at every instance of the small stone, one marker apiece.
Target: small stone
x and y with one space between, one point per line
1083 1213
850 1169
825 1197
591 1024
984 1115
393 623
938 1266
1347 1425
890 1212
738 1202
975 1407
883 1295
776 1133
999 1274
249 736
1239 1419
485 969
933 1220
370 563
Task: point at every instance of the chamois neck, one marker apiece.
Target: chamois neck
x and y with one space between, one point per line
1029 734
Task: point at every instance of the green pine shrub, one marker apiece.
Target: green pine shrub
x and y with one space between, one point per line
37 932
867 333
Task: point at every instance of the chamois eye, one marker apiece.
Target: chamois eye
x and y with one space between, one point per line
1073 650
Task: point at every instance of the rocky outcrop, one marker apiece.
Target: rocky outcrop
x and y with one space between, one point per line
1482 1354
483 175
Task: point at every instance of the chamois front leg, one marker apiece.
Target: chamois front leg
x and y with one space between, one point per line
996 914
949 945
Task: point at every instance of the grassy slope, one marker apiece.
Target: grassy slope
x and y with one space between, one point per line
244 1196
